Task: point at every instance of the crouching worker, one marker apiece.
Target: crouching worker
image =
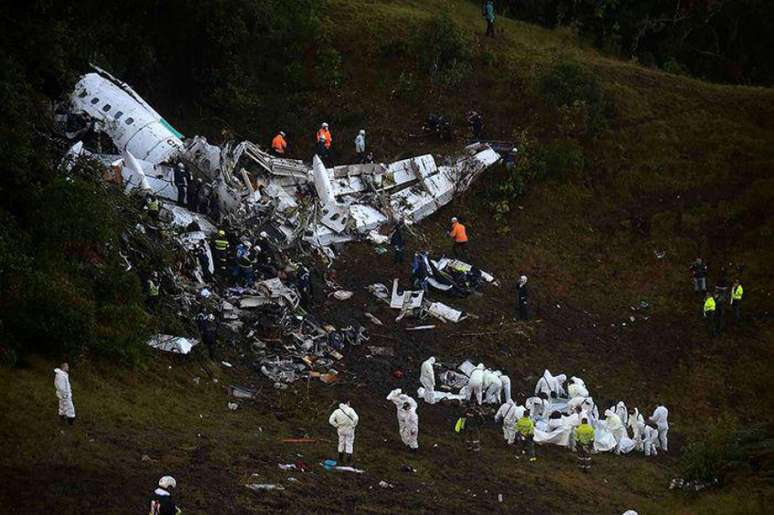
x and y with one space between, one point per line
525 429
584 440
344 419
161 500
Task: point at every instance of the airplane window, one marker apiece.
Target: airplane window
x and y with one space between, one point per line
118 115
83 94
129 120
94 100
106 107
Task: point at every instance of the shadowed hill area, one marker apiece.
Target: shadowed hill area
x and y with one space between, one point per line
625 175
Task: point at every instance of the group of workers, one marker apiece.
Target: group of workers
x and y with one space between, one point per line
715 303
324 145
553 416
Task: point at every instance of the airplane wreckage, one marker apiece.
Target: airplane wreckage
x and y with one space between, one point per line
321 206
282 207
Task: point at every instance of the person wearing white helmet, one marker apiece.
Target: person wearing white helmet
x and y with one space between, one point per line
427 379
279 144
492 387
360 146
161 501
324 138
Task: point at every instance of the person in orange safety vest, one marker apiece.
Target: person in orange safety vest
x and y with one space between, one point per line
278 144
326 133
460 237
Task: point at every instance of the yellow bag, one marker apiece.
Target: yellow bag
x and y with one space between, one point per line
460 425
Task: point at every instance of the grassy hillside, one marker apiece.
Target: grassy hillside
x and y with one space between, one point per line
682 167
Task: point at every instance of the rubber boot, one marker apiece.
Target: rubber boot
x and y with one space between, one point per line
349 459
341 458
71 420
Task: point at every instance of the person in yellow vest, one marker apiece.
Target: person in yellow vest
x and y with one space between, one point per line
525 432
737 292
709 313
584 439
279 145
154 290
221 246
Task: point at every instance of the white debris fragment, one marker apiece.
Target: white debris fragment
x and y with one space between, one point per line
168 343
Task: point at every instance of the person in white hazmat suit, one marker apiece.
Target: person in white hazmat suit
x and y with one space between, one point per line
510 413
637 425
622 412
577 388
408 420
650 440
64 393
476 384
345 420
506 381
550 383
616 427
492 387
427 379
659 417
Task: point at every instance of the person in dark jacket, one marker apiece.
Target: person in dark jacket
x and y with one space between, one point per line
208 331
304 285
397 242
161 502
522 310
193 194
182 179
699 269
204 262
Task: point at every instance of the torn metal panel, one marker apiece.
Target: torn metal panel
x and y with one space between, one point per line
415 168
335 217
322 182
409 299
445 313
276 290
182 217
175 344
366 218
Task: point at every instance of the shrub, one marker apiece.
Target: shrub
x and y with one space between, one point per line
724 448
568 84
444 51
328 68
557 160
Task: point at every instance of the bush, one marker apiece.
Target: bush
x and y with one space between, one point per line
724 448
328 68
568 85
444 51
557 160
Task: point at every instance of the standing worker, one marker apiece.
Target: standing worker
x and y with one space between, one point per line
360 146
182 178
279 145
460 237
737 292
221 246
154 290
161 501
427 379
476 123
345 420
510 413
659 417
699 269
709 313
522 310
324 139
489 16
525 428
153 206
408 420
584 439
208 331
64 393
397 242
